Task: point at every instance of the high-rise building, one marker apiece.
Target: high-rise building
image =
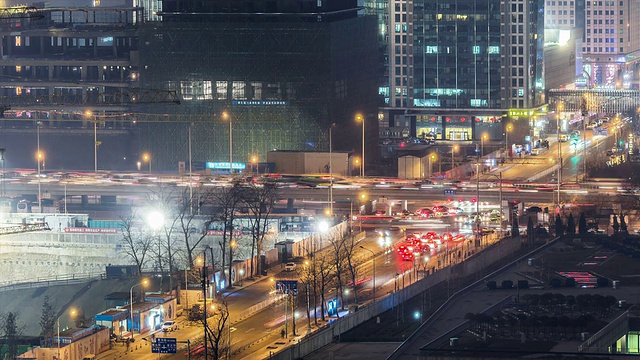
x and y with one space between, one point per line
457 67
611 43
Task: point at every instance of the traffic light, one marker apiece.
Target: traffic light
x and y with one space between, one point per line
620 143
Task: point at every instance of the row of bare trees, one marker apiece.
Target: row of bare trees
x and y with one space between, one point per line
172 228
334 268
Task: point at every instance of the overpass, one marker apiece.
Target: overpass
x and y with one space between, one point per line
596 100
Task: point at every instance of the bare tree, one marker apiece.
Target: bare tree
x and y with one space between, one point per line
136 244
338 258
325 273
189 224
228 199
259 200
217 331
351 261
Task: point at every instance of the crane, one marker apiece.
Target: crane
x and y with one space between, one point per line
125 96
20 12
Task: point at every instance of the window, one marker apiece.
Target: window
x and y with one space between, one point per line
431 49
238 90
256 88
493 50
221 90
476 50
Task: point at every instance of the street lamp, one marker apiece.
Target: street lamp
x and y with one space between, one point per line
482 140
39 158
356 162
508 129
559 108
144 282
226 116
454 149
90 115
432 159
254 162
73 314
373 256
147 158
360 118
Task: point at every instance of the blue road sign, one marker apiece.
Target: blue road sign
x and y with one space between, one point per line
287 286
164 346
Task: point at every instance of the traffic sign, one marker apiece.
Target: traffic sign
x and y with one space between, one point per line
164 346
287 286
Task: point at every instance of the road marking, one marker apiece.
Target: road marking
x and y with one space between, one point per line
232 329
250 330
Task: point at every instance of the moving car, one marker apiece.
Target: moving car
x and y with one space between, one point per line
290 266
169 326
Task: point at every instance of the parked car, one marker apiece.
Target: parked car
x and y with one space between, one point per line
169 326
290 266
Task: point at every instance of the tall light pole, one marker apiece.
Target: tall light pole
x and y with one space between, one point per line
373 256
2 151
38 156
559 108
484 137
147 158
454 148
88 114
144 282
360 118
205 279
432 158
507 148
226 116
254 162
73 313
331 168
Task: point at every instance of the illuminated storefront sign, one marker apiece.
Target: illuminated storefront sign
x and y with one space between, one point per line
520 112
225 166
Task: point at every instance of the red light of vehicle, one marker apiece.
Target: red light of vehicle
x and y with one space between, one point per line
402 145
449 199
473 200
460 200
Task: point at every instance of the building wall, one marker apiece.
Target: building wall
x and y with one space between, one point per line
318 163
560 63
287 162
412 167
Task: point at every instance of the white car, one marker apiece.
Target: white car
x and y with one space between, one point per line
169 326
290 266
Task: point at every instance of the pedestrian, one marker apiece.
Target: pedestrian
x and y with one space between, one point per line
282 333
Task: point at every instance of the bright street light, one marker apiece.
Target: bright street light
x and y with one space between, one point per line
155 220
73 314
144 282
360 118
147 158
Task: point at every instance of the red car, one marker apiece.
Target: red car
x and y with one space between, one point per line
408 256
424 212
403 249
